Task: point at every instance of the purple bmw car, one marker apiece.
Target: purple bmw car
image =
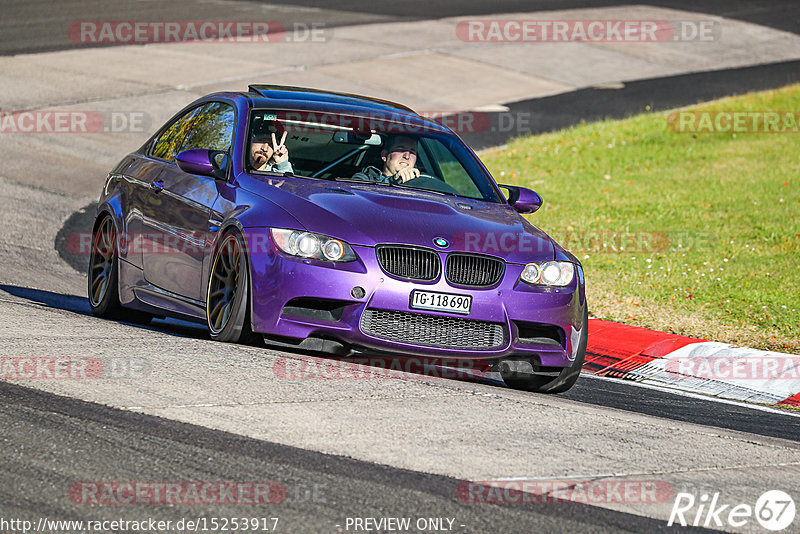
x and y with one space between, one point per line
296 214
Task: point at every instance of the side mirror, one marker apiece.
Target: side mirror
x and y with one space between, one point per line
204 162
522 199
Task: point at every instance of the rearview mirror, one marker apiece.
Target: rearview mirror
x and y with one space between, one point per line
204 162
522 199
357 138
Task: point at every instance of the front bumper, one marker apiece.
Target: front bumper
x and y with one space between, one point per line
518 308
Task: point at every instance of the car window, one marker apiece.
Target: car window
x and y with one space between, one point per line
444 165
342 147
170 141
212 128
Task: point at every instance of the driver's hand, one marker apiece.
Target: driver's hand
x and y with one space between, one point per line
404 175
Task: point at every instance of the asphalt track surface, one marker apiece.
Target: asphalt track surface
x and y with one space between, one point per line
88 441
614 394
49 441
37 26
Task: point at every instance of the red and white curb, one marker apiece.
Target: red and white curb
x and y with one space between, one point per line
692 365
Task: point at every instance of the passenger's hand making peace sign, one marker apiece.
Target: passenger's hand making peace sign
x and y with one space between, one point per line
280 152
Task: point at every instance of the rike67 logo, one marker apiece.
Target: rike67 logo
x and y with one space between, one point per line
774 510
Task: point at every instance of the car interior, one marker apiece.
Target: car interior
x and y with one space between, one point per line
330 152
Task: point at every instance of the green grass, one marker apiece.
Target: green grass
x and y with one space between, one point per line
717 218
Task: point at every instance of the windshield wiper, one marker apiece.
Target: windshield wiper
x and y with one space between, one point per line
446 193
427 190
392 184
357 180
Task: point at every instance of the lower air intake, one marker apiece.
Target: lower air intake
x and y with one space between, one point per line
433 330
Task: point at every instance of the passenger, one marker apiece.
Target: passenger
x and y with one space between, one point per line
266 153
399 157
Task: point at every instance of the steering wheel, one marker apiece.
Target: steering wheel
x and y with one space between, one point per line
429 183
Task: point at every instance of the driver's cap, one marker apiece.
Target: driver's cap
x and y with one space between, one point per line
262 128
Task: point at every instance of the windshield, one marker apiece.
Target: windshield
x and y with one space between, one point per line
379 151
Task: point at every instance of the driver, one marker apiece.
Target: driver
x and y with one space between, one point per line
266 153
399 156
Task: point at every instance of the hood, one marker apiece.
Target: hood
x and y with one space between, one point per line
369 215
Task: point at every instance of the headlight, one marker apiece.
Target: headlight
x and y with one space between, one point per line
549 273
310 245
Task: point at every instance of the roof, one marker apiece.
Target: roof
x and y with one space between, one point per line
289 93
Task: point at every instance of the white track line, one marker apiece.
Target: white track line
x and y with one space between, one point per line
682 393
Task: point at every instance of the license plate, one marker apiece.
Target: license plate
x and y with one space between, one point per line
446 302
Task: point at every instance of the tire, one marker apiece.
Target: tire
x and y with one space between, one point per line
228 297
552 384
103 276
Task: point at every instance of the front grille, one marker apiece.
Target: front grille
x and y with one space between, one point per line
433 330
473 270
409 262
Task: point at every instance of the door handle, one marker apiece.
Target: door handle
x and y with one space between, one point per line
157 185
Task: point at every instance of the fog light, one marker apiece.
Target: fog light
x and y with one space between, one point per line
358 292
